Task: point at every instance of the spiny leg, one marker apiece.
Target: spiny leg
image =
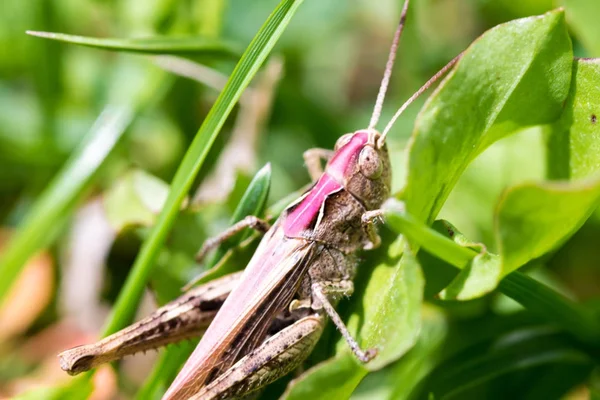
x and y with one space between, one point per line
185 317
322 291
277 356
249 222
313 158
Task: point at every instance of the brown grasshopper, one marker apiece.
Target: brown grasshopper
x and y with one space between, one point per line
260 324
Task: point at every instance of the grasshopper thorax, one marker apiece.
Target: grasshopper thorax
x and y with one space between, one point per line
362 166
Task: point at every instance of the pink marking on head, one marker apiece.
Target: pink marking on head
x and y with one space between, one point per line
307 210
346 156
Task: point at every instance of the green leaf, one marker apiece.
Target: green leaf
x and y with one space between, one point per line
532 294
135 199
252 203
246 68
182 45
61 195
480 270
398 380
515 75
391 299
533 219
479 277
574 140
333 379
437 243
581 15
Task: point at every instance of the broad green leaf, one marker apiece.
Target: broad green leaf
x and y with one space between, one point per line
533 219
581 15
480 276
244 71
574 140
135 199
515 75
399 379
389 309
480 270
185 46
512 160
333 379
392 299
533 295
574 145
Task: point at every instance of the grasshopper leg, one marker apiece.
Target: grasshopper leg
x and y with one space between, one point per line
249 222
322 291
185 317
312 159
277 356
368 220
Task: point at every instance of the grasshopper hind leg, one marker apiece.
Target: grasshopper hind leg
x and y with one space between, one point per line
185 317
275 357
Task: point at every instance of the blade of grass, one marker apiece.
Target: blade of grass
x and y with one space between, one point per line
246 68
62 193
545 301
182 45
530 293
164 370
490 360
252 203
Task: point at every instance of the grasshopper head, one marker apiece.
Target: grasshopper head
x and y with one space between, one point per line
362 166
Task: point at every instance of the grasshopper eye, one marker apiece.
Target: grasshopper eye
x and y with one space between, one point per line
370 163
343 141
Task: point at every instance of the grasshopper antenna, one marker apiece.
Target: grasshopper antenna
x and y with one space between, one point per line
412 98
388 69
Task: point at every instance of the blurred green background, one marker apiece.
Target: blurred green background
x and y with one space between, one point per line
320 83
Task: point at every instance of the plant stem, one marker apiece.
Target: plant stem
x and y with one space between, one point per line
531 294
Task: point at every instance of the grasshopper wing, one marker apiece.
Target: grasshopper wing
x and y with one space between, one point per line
267 286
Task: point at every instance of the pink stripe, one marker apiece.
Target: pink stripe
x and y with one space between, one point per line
346 156
307 210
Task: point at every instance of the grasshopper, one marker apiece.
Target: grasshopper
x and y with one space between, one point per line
260 324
